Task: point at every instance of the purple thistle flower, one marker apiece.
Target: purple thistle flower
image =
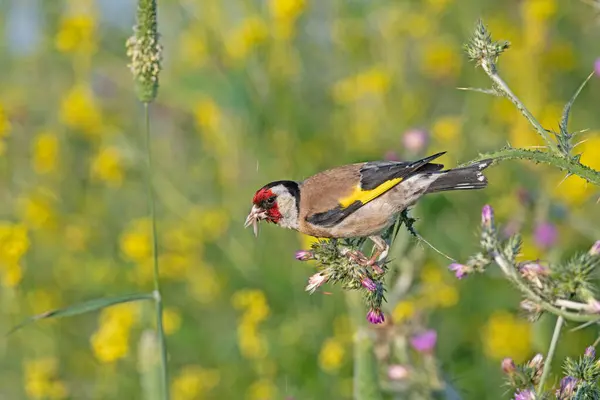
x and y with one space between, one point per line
595 250
304 255
487 216
545 235
459 270
525 394
590 352
375 316
597 66
508 366
567 388
369 284
415 140
424 342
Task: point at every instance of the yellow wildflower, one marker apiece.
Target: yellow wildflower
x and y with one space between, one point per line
193 382
403 310
538 10
4 128
108 166
285 13
171 320
441 59
332 355
80 112
204 284
41 380
262 389
375 81
242 40
45 152
76 34
505 335
192 48
12 274
135 241
208 114
36 210
14 242
111 341
446 129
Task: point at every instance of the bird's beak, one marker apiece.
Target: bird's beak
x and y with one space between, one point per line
256 214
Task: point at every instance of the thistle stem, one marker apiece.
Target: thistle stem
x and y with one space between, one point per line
547 364
157 294
490 70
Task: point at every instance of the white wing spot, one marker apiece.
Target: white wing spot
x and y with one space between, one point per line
481 178
482 166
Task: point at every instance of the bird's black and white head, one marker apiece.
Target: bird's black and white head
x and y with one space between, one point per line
277 202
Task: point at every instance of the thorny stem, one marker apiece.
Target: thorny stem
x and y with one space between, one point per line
157 294
547 364
509 271
490 70
572 167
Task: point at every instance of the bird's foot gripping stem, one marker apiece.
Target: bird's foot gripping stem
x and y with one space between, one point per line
377 259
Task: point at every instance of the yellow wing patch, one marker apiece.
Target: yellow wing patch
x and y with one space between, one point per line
365 196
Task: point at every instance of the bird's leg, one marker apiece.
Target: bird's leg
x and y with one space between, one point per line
381 251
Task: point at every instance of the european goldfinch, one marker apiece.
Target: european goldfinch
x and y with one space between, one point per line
358 200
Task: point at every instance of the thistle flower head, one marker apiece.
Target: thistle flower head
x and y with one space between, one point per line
375 316
590 352
595 250
487 216
482 49
304 255
315 281
525 394
424 342
568 384
459 270
369 284
508 366
145 52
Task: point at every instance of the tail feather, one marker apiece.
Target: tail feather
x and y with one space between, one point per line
465 178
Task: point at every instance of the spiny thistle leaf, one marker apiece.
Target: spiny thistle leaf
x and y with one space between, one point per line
82 308
564 137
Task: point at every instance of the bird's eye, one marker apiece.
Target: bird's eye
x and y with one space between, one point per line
271 200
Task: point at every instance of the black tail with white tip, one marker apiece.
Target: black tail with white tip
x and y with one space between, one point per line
465 178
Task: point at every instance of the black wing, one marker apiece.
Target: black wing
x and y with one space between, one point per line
375 173
334 216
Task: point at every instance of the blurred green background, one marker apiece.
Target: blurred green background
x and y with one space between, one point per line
250 92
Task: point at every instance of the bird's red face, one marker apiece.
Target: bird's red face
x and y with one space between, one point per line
264 208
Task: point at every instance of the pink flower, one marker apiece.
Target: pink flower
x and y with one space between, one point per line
459 270
375 316
415 140
304 255
487 216
545 235
508 366
524 395
424 342
597 66
315 281
369 284
397 372
595 250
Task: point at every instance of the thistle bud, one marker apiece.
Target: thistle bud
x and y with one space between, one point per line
145 52
590 352
595 250
304 255
369 284
508 366
460 270
568 384
487 217
315 281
